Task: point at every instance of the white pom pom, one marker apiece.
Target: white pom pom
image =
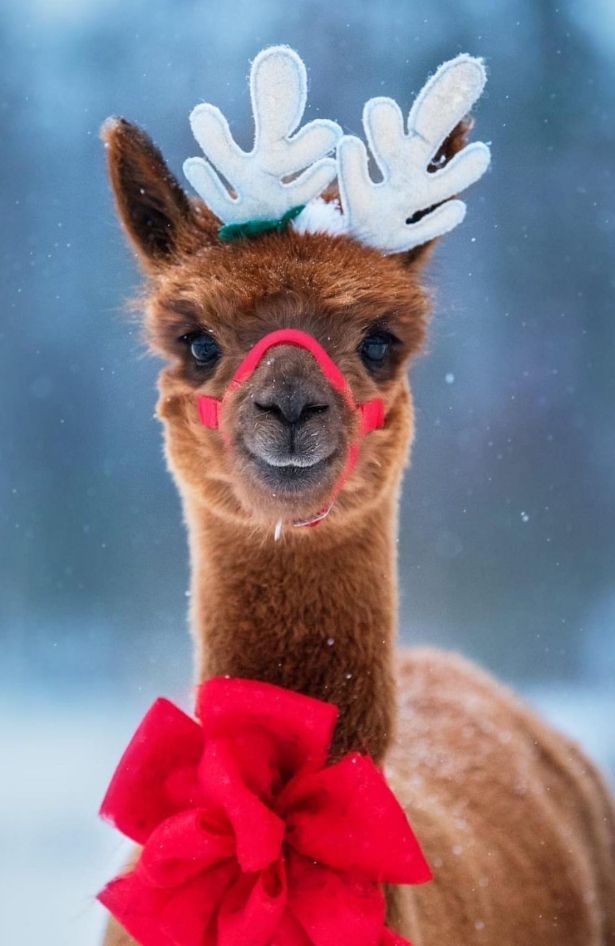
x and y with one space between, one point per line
321 216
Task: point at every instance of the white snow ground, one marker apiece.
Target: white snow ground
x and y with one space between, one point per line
56 763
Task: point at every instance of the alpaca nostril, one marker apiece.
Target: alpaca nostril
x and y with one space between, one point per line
310 410
291 409
269 409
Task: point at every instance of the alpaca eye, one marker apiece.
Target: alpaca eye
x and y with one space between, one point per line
203 348
375 347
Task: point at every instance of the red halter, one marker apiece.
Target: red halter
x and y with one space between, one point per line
371 413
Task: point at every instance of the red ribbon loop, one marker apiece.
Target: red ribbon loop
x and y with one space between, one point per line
249 838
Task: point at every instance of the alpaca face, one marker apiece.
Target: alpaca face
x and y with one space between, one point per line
286 432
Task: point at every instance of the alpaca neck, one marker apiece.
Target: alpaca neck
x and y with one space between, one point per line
314 612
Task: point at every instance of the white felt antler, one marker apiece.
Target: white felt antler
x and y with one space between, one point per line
278 88
379 213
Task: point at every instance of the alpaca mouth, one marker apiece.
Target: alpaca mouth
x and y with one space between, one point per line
290 474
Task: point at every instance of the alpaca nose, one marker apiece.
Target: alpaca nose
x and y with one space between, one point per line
291 422
291 404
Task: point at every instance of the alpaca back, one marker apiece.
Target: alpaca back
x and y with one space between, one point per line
517 825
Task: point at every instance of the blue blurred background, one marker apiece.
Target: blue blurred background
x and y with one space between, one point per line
507 545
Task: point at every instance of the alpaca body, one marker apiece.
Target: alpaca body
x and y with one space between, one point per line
517 825
519 830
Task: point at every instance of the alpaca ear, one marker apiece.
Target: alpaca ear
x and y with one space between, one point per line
153 208
458 138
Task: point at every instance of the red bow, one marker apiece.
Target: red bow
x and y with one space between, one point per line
249 838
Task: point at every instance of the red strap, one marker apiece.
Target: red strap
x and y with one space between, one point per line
210 408
372 415
209 411
293 336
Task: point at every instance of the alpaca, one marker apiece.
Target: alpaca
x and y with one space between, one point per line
517 825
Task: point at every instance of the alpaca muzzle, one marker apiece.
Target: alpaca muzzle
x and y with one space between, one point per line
370 413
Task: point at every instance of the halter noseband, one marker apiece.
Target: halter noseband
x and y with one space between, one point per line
371 413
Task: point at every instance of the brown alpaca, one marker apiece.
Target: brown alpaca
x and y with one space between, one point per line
517 825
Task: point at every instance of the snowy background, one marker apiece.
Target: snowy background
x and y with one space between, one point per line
507 546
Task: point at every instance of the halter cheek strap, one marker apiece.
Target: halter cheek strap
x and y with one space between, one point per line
371 413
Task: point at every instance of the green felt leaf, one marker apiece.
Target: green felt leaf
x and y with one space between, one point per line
252 228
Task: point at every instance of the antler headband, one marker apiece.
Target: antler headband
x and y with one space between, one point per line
281 179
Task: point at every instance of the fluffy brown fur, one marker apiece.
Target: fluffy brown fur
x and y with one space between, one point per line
517 825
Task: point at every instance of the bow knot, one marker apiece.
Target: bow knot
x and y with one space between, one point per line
249 838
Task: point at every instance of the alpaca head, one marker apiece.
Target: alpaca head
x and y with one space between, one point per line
209 302
287 432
